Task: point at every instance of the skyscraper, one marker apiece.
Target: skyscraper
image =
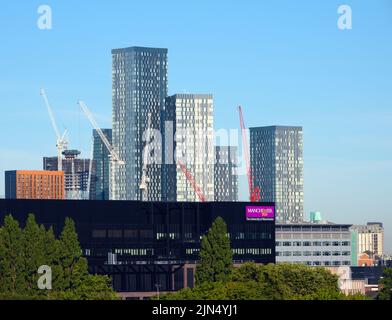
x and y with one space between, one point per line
139 88
192 120
77 176
276 154
102 163
225 174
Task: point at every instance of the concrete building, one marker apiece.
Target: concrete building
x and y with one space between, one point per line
21 184
76 174
370 239
139 88
315 244
102 163
225 174
276 154
191 116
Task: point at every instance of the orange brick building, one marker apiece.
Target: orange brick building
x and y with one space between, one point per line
21 184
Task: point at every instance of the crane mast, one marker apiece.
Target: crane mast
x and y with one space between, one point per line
254 192
145 179
192 181
114 158
61 143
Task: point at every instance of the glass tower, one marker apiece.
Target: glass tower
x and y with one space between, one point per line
101 159
276 155
192 120
225 174
139 88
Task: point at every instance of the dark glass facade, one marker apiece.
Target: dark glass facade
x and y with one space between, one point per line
142 244
101 160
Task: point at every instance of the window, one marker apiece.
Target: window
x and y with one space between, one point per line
286 244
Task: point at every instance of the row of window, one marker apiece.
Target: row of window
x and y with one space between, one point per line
314 243
312 253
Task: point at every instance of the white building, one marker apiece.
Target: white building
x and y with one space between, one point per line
370 238
191 116
315 244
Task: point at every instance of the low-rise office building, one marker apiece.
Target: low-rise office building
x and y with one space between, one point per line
142 245
315 244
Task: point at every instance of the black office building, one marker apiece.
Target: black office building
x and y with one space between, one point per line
145 245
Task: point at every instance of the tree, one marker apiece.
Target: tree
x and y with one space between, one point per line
215 255
11 257
269 282
33 252
22 252
386 285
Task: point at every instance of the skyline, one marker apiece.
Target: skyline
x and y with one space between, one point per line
334 83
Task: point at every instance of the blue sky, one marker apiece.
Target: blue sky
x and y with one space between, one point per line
285 62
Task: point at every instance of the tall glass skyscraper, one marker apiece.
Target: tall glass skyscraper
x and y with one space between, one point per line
139 88
225 174
276 154
102 163
192 119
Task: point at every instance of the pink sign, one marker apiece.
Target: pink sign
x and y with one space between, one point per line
260 213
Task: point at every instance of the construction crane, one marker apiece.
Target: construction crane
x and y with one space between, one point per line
254 192
145 179
114 158
61 143
90 169
192 181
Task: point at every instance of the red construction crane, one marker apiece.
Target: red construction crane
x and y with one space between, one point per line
254 192
192 181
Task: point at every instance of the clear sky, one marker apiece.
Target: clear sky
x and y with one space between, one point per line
285 62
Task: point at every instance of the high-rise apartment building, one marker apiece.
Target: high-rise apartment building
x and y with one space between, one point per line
139 88
77 178
276 154
225 174
191 118
370 239
21 184
102 163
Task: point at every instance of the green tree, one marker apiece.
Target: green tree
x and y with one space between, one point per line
386 285
12 272
215 255
269 282
22 252
33 252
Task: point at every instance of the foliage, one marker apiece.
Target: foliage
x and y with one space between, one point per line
23 251
386 285
215 255
268 282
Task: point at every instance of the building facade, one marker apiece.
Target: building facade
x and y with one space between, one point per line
139 88
321 244
21 184
102 164
226 174
157 245
276 154
370 239
192 120
79 183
